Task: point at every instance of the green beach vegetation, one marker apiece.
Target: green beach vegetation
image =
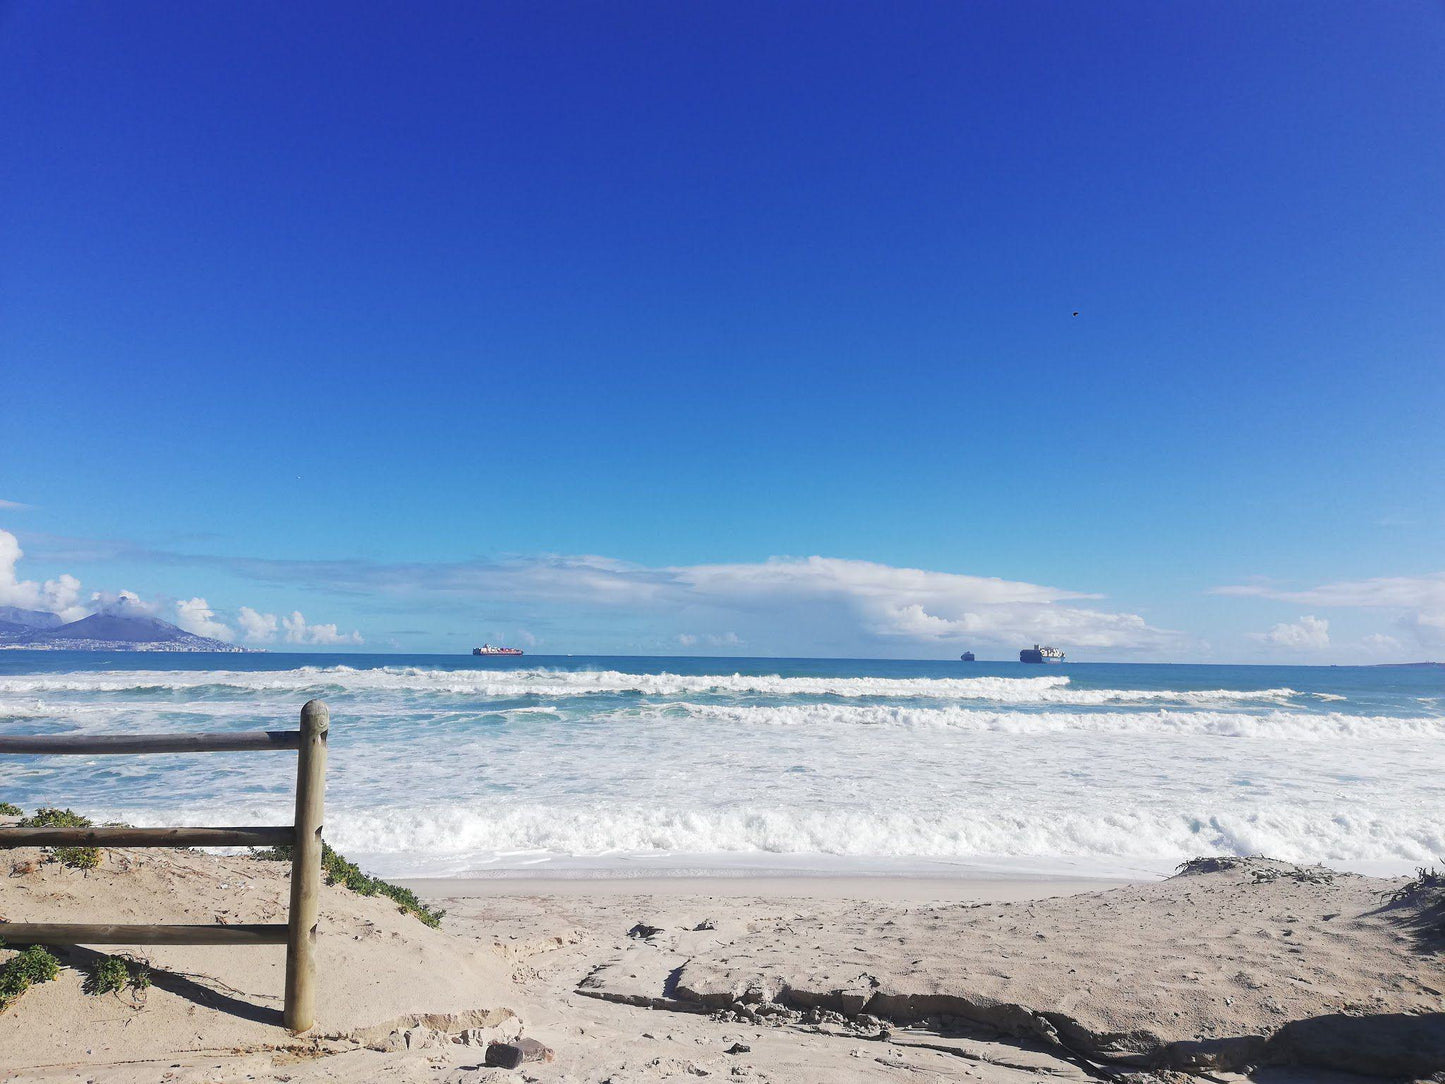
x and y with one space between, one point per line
112 974
340 871
25 969
82 858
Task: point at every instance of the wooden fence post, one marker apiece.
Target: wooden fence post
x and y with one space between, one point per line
300 1011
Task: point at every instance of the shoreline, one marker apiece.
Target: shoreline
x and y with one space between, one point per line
753 884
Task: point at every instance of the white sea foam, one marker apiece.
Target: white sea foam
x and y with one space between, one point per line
454 769
511 684
1274 724
467 838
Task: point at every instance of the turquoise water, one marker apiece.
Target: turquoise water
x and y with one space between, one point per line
441 764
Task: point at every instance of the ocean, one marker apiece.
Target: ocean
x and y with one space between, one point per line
446 766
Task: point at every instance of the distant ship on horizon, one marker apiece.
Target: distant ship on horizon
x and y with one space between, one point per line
488 649
1041 654
968 656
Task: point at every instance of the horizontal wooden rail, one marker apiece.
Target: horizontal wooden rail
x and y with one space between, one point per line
80 933
104 744
279 836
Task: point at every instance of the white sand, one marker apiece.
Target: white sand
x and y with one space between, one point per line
822 979
752 886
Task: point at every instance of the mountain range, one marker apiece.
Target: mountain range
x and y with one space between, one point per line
104 631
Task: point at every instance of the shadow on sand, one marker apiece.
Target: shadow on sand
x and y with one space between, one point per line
183 986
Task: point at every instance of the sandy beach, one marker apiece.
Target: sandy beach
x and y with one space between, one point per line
1239 968
633 542
753 886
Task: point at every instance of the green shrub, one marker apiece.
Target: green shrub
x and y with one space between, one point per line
74 857
112 974
339 871
50 817
9 810
107 975
23 970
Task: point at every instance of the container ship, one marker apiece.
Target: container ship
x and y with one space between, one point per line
968 656
488 649
1041 654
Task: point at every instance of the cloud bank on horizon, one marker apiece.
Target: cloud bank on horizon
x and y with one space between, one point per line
788 597
779 604
1416 603
784 599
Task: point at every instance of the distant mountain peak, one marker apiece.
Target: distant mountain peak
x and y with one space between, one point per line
110 630
30 619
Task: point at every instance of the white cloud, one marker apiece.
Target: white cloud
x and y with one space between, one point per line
195 615
799 601
299 632
1310 633
1379 642
724 639
121 603
1426 625
1382 591
907 604
59 596
1417 601
15 506
259 628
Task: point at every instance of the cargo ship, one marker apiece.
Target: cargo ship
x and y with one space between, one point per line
967 656
1041 654
488 649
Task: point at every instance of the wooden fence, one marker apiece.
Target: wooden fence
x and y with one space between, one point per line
298 933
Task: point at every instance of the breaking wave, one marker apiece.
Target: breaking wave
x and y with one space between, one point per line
448 770
463 839
320 681
1294 726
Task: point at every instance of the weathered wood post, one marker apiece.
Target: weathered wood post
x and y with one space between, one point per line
300 1011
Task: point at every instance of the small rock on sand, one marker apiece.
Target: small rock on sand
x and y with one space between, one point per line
514 1054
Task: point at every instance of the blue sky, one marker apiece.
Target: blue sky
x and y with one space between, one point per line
517 321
